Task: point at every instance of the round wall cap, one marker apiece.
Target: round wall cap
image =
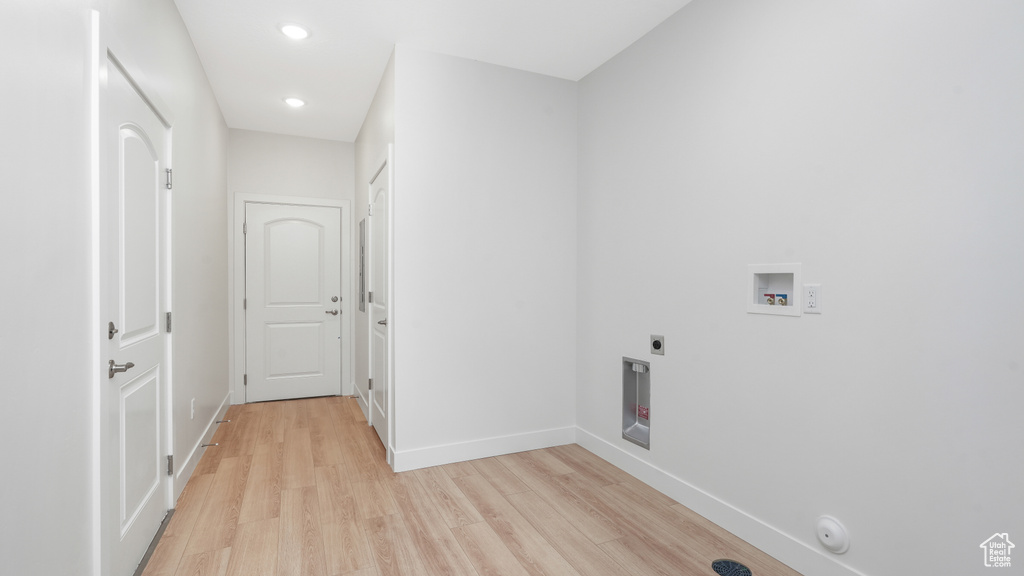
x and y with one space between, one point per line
832 535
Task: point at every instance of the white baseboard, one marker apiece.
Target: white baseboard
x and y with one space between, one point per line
484 448
188 465
783 547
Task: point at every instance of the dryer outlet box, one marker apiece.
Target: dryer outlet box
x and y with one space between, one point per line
657 345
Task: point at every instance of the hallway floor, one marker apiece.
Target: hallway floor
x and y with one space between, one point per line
301 488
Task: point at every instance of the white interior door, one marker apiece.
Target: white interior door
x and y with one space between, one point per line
134 491
380 336
293 301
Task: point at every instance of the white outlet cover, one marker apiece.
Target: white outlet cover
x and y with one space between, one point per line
832 535
816 301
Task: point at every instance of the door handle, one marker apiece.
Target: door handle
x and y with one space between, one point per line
383 322
115 368
331 312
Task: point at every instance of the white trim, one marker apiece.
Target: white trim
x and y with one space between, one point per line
184 469
236 290
483 448
800 556
95 67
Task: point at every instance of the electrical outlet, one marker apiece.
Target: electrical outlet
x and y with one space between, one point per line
193 417
812 298
657 344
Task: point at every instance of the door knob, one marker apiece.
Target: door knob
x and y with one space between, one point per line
115 368
331 312
383 322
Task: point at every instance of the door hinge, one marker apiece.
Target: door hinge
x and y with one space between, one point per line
370 211
168 321
371 384
245 379
369 297
170 464
170 178
245 227
245 302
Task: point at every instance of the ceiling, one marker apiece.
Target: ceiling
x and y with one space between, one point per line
253 67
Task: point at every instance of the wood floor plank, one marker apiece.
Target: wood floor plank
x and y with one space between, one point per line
714 541
648 493
344 541
245 428
373 499
302 488
588 464
459 469
636 558
582 514
271 429
295 415
300 549
254 551
323 439
544 461
356 412
169 551
358 460
392 548
641 521
262 498
337 501
487 552
451 503
499 476
369 571
298 459
536 555
434 542
212 563
341 410
346 547
414 504
215 527
585 556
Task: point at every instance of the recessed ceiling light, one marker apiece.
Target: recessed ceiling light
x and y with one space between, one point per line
295 102
294 31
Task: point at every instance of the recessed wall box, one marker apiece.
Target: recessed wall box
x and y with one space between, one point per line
636 402
774 289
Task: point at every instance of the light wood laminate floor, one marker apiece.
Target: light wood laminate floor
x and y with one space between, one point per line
301 488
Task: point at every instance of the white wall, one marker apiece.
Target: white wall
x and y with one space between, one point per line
484 259
279 165
880 144
49 367
45 416
376 133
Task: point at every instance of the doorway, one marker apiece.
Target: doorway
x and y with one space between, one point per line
379 304
134 150
293 301
291 305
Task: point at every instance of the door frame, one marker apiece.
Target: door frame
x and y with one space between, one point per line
106 50
236 285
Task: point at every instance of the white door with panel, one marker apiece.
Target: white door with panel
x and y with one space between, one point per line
293 304
133 299
380 336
